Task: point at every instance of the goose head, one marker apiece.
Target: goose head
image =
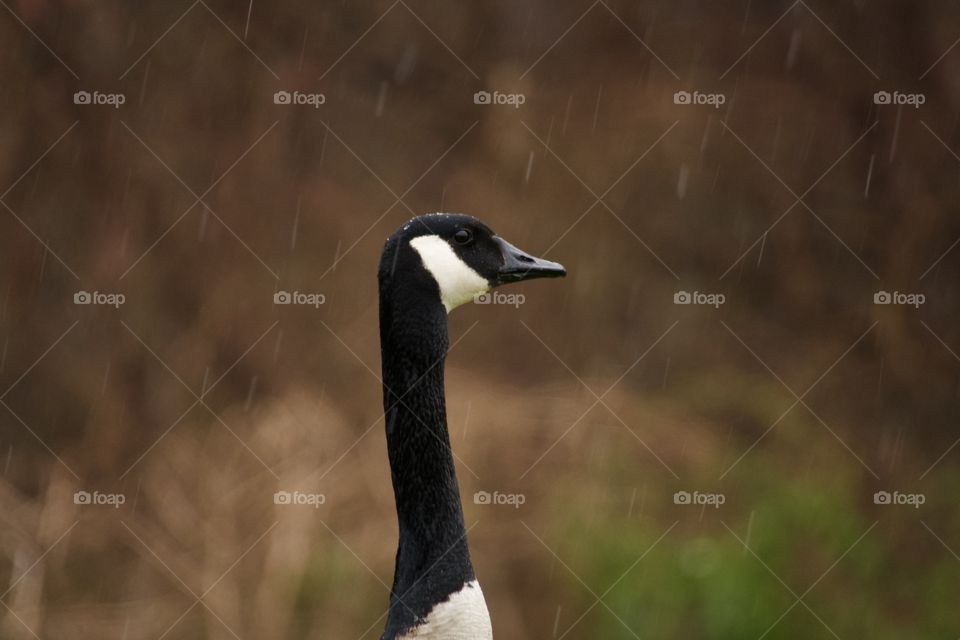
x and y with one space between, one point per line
457 257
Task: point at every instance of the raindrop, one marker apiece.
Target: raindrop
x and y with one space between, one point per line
596 110
682 181
866 187
643 503
794 49
250 391
381 99
246 27
200 56
202 230
336 255
652 22
566 114
143 83
136 494
126 189
706 136
595 452
526 24
556 620
276 346
406 64
763 243
43 264
323 146
296 225
303 49
897 447
482 30
746 538
526 177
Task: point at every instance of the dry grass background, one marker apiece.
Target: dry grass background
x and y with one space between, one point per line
255 398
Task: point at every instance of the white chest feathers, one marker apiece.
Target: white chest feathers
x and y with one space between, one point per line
457 281
463 616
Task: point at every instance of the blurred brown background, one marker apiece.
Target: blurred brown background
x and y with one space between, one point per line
798 199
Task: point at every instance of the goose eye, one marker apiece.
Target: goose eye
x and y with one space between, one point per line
462 236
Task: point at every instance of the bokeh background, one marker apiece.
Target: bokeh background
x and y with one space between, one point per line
596 400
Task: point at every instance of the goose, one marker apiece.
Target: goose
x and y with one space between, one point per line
431 265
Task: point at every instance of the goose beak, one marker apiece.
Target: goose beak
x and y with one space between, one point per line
519 265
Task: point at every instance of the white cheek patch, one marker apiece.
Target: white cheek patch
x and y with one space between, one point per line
458 283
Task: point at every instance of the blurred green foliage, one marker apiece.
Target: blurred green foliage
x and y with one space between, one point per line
730 574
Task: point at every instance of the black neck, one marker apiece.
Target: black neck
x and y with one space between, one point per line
433 560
